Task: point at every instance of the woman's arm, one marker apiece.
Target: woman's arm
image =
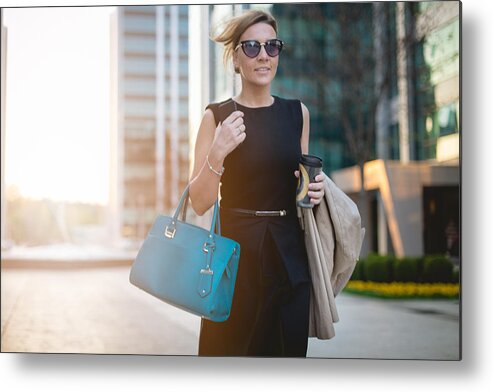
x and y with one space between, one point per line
214 143
316 190
305 133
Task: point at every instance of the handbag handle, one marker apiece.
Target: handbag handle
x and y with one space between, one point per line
185 208
182 206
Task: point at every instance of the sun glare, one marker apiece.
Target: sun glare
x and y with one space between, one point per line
57 102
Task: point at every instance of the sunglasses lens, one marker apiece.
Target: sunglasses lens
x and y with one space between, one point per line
273 48
251 48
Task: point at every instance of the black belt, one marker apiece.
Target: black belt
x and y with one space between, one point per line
258 213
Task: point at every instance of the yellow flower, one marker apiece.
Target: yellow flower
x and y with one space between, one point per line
406 289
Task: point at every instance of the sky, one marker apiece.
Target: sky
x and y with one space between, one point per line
57 102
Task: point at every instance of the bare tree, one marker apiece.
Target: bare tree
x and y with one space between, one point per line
353 67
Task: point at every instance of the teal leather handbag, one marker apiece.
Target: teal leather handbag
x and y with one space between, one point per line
188 266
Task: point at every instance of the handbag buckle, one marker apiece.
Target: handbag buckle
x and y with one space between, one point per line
205 282
207 246
170 233
207 271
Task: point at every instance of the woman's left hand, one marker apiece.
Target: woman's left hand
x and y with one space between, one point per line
315 189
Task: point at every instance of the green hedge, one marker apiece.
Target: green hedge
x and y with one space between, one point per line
388 268
359 273
406 269
437 269
378 268
456 276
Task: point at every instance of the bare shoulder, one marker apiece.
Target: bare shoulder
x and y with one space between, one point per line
304 110
306 116
204 139
206 131
208 117
305 133
207 125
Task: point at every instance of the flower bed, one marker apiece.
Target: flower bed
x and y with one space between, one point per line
403 290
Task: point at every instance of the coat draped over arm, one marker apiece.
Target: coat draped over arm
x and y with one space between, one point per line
333 237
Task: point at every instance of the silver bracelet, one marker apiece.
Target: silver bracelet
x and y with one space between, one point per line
212 169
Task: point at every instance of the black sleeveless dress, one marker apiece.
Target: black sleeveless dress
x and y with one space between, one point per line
270 310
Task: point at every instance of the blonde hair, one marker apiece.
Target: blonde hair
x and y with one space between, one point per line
236 26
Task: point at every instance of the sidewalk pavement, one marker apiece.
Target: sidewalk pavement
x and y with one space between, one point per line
97 310
393 329
67 255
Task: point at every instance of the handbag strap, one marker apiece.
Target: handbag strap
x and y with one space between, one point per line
183 205
184 210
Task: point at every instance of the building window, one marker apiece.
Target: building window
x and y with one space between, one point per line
447 120
142 24
393 142
140 65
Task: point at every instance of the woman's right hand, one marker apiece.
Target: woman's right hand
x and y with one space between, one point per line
213 143
229 134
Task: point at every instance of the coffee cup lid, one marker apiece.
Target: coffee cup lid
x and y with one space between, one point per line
311 160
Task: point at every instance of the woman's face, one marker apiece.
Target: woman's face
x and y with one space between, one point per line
260 70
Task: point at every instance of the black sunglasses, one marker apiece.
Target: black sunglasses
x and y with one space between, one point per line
252 48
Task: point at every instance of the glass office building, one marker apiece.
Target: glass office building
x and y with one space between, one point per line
436 64
408 96
150 108
307 71
411 171
412 50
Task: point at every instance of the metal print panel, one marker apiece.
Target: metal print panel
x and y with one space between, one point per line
108 113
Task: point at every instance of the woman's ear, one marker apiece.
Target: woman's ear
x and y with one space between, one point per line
235 62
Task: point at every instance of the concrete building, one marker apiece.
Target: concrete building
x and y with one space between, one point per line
149 142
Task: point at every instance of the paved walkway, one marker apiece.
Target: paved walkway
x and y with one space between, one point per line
392 329
96 310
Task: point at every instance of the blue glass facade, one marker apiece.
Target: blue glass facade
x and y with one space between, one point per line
436 65
310 70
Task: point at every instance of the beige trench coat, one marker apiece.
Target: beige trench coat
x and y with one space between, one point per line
333 237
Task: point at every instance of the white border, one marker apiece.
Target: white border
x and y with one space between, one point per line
473 373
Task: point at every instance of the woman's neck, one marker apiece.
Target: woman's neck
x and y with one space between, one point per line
254 97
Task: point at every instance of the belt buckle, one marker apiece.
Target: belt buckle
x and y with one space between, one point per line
270 213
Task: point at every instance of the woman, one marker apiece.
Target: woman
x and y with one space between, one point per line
251 146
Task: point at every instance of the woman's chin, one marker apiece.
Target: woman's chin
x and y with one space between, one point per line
260 81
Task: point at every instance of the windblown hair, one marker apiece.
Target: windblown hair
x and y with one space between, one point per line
236 26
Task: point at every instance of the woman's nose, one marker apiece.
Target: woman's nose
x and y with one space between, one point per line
263 53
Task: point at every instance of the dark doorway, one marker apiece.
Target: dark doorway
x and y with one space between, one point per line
441 220
373 221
